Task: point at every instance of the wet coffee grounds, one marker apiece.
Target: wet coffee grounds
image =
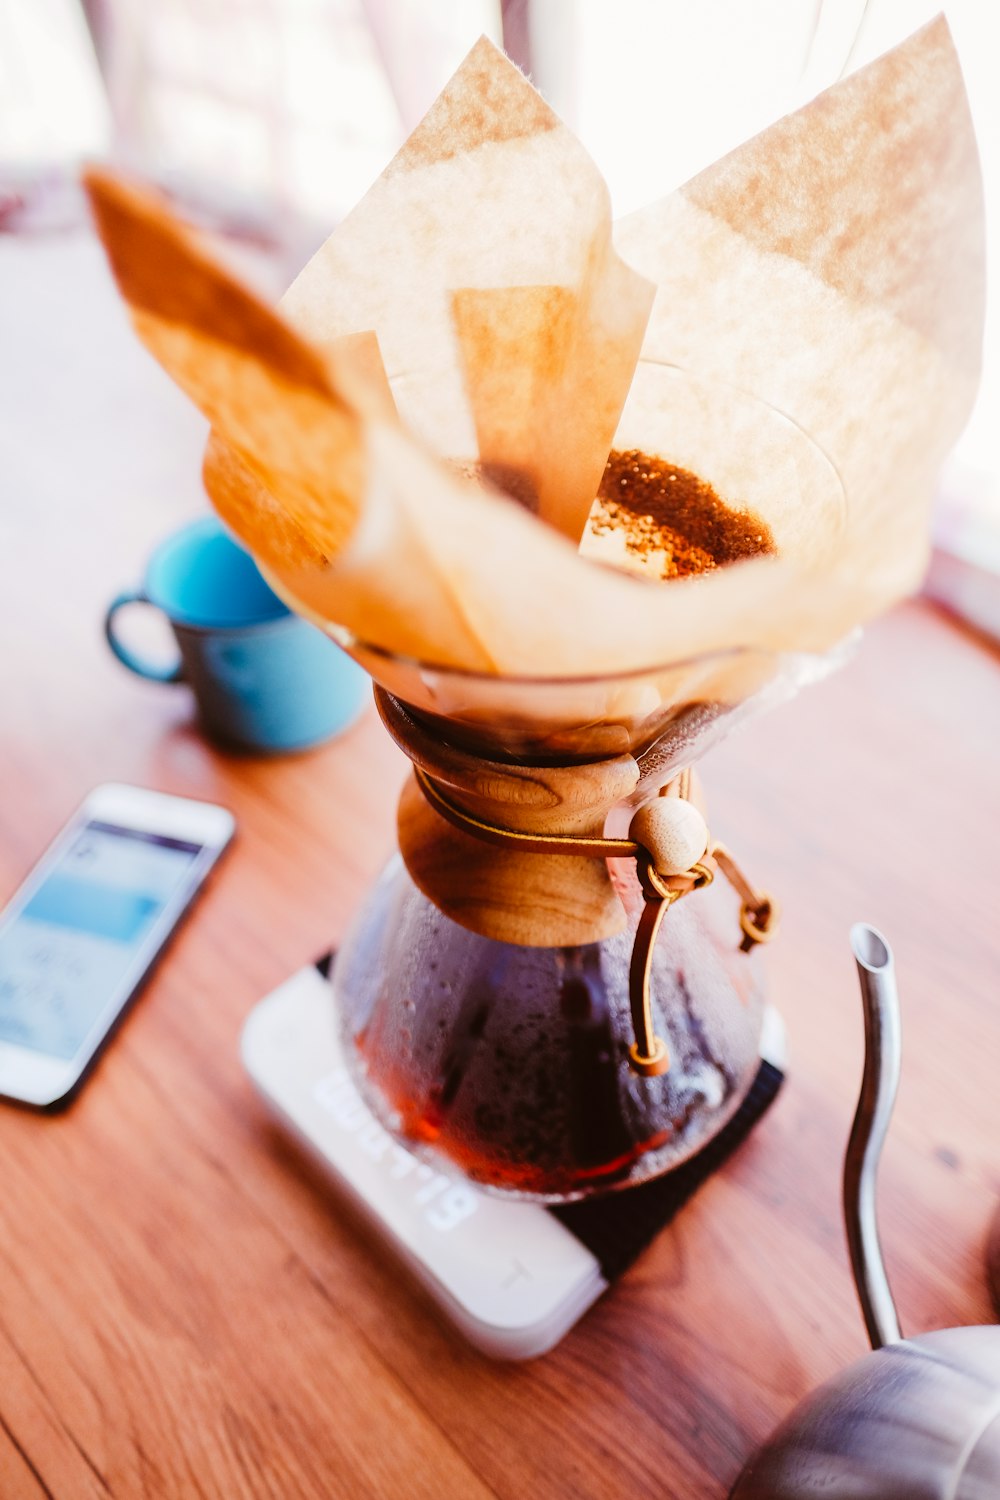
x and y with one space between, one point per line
660 508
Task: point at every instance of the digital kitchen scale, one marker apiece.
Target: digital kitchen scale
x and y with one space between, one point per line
513 1277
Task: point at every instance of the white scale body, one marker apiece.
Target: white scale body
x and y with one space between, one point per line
508 1274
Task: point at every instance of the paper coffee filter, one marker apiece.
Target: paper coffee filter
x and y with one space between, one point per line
793 320
801 280
292 414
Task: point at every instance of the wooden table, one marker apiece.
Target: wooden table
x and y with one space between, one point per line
184 1309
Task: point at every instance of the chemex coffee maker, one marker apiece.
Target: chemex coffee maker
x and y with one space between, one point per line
550 989
518 1000
513 1003
459 433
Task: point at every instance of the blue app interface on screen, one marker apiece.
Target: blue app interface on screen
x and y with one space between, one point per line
64 955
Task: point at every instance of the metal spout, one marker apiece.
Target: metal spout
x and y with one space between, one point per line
879 1081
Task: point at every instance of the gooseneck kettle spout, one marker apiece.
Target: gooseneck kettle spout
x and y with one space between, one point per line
876 972
918 1418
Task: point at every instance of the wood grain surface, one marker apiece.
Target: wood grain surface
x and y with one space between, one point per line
184 1309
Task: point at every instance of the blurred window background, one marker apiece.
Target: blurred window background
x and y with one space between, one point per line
270 118
276 107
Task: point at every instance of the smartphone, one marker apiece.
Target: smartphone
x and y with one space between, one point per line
82 933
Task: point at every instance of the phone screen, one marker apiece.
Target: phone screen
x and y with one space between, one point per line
65 954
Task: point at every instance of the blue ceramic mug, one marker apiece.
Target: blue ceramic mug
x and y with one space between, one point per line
263 678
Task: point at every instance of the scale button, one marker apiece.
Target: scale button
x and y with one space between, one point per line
517 1273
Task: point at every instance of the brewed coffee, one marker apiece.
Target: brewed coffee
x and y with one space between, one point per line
512 1061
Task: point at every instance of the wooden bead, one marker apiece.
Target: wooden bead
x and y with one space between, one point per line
674 832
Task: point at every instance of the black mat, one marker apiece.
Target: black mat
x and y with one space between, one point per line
619 1226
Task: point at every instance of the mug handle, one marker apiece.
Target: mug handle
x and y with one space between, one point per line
128 658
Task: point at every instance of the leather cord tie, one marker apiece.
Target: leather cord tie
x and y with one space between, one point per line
669 830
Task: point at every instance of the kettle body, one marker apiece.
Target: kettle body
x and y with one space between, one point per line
917 1420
